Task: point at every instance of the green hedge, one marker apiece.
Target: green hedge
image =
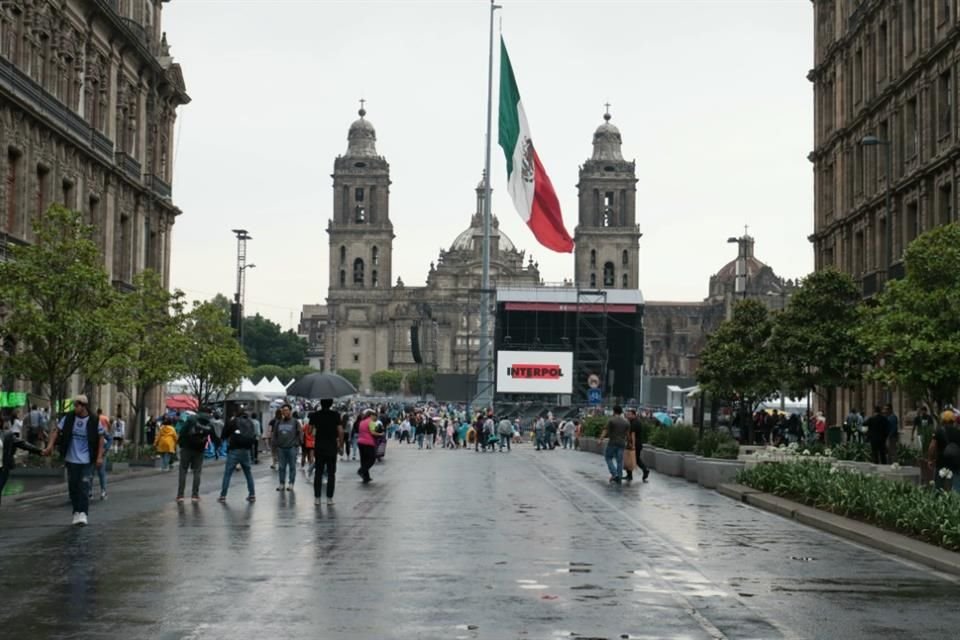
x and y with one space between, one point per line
932 516
717 444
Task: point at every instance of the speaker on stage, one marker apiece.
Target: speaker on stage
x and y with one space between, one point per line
415 344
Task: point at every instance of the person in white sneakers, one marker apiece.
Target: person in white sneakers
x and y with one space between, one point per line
81 438
286 438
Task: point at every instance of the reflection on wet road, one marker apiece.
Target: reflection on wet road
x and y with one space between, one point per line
451 544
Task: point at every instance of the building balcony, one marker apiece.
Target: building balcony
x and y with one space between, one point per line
159 187
128 164
897 271
871 284
6 242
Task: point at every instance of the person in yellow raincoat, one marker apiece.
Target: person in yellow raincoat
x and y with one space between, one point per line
166 443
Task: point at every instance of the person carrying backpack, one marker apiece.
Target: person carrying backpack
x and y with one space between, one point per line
944 453
193 442
240 434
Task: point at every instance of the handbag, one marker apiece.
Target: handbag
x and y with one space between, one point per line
629 459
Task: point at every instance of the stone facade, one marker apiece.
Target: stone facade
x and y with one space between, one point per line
88 100
885 74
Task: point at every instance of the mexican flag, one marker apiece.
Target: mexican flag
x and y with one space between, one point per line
527 181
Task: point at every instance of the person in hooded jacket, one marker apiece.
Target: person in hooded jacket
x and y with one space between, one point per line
193 442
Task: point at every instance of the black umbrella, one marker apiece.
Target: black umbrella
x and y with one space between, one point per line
318 386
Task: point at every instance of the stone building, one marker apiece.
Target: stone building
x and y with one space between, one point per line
88 101
885 95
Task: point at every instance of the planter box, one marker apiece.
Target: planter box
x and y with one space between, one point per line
118 466
714 471
910 475
690 463
669 462
646 454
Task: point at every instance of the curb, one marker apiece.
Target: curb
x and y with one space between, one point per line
60 489
868 535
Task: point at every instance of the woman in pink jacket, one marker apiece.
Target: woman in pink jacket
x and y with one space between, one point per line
367 443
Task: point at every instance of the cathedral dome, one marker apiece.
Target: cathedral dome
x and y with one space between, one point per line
471 238
362 138
607 141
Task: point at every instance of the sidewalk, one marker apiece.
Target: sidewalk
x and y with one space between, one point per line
868 535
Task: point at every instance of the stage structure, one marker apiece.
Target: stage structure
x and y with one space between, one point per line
598 333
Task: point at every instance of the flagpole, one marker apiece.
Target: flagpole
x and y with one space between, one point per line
485 379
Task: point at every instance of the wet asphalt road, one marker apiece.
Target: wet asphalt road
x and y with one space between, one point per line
452 544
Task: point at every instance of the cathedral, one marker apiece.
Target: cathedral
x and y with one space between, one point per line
372 321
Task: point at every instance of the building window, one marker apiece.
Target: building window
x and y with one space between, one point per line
593 280
593 257
912 128
374 278
945 102
359 214
859 256
356 357
13 164
356 341
358 194
626 281
608 275
912 224
625 258
910 25
882 46
858 172
608 219
343 278
41 196
375 256
93 211
857 76
343 254
943 14
68 194
358 271
946 203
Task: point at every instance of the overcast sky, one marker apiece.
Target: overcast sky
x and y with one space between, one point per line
710 96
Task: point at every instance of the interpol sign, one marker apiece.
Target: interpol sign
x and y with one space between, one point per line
534 372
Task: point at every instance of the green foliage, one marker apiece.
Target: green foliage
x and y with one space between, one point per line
928 515
680 438
265 343
60 304
296 372
413 380
914 328
223 303
815 338
728 450
852 451
267 371
736 362
593 426
711 441
908 456
353 375
658 437
213 362
387 381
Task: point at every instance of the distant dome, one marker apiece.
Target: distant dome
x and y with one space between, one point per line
607 141
471 237
362 138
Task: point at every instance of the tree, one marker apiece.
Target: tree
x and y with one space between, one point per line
152 320
816 337
353 375
914 328
213 362
387 381
268 371
736 363
296 372
413 380
223 303
265 343
60 304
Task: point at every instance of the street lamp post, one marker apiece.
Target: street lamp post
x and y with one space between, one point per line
236 314
874 141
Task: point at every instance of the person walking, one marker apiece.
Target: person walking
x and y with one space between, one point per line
119 433
258 427
327 427
540 429
367 443
286 438
166 444
893 433
10 441
944 453
636 431
268 436
307 458
239 435
506 433
107 446
617 431
37 426
81 445
193 442
878 430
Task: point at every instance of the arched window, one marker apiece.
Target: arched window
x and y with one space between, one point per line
626 281
593 280
358 272
593 257
375 256
343 278
374 279
343 254
608 277
625 260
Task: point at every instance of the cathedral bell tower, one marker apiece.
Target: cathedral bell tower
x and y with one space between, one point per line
607 235
361 234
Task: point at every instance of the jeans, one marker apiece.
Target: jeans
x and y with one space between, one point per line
420 440
235 457
614 457
541 441
354 449
328 464
565 441
102 476
78 485
288 463
165 460
368 456
190 459
505 439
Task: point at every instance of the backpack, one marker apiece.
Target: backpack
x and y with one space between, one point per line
246 434
194 435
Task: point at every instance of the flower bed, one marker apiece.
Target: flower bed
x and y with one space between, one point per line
932 516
